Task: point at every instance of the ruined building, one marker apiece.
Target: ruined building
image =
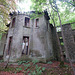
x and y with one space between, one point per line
30 37
35 38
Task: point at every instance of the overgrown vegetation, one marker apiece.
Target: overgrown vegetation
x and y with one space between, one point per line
36 68
6 7
0 36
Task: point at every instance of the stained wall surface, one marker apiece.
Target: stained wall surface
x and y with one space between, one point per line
69 41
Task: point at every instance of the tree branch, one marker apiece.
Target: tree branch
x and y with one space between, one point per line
52 6
70 3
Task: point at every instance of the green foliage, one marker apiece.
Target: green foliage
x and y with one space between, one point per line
66 10
26 65
19 69
61 64
36 15
62 43
33 73
49 62
39 70
21 62
43 69
73 26
8 69
66 66
35 61
60 38
6 7
38 5
0 36
1 61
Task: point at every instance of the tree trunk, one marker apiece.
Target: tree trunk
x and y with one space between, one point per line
62 59
7 62
64 41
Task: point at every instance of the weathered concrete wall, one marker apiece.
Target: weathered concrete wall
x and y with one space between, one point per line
17 36
56 49
69 41
42 44
73 32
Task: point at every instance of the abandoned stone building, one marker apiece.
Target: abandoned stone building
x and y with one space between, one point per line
33 38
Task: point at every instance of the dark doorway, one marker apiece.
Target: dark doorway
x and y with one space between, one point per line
74 38
25 45
9 45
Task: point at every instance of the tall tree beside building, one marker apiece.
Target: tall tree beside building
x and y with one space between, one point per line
51 5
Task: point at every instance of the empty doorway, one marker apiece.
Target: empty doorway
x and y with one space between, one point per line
9 45
25 45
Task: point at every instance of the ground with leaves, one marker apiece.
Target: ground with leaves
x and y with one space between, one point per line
35 68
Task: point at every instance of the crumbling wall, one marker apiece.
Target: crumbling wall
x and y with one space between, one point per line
56 49
40 38
69 41
16 33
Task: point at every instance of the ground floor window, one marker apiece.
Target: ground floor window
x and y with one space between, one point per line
9 45
25 45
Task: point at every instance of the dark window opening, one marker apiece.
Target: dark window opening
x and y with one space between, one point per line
37 22
6 34
74 38
25 45
4 48
13 22
9 45
27 22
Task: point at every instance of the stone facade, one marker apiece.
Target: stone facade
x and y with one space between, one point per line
40 38
69 42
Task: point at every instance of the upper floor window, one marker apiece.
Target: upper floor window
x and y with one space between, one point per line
37 22
27 21
13 22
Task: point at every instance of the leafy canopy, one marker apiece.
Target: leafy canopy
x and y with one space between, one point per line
66 10
6 6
